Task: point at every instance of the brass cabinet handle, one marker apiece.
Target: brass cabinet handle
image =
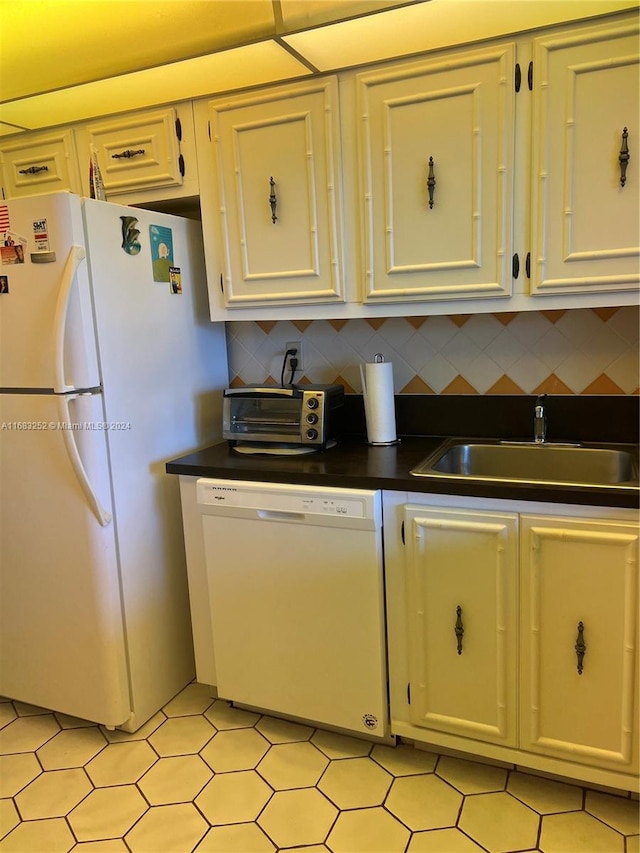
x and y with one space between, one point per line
33 170
624 157
431 182
128 154
459 629
273 201
580 647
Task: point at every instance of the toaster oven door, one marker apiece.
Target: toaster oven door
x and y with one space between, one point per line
263 419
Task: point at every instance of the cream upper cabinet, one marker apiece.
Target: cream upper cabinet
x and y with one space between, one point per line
275 195
37 163
435 169
461 621
586 161
140 154
579 641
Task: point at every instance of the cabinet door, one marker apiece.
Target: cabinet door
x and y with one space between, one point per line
450 121
585 215
279 195
579 639
137 151
38 163
461 570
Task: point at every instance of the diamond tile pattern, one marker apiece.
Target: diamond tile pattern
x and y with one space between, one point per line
204 777
581 351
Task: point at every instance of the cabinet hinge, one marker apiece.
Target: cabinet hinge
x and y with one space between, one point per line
409 693
179 129
402 532
221 284
181 165
527 265
209 130
518 77
515 266
530 76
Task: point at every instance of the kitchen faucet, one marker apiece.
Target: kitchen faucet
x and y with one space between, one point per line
540 421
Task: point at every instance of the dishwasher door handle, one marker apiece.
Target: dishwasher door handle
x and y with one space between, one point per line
280 515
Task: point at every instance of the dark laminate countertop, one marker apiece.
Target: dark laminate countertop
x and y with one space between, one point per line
353 464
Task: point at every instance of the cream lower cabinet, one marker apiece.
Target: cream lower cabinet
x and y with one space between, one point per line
579 594
585 161
513 632
461 619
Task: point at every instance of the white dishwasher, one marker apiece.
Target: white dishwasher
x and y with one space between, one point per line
295 579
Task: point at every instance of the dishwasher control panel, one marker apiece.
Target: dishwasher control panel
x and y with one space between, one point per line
229 495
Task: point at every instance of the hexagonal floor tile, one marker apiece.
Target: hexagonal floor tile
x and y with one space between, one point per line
633 844
404 760
107 813
294 818
224 716
53 794
544 795
442 841
238 749
276 730
16 771
354 783
193 699
575 832
26 734
52 835
424 802
499 822
470 777
9 817
618 812
293 765
166 829
71 748
181 736
177 779
234 797
7 714
237 839
121 763
145 730
367 830
335 745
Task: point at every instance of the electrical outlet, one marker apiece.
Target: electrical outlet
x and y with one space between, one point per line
296 345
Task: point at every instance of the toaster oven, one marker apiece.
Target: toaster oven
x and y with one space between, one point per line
304 415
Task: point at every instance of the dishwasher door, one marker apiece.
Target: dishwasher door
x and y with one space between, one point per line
295 580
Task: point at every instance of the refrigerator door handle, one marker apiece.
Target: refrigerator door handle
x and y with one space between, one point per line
102 514
76 254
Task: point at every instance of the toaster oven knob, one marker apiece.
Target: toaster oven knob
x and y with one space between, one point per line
312 402
312 418
312 434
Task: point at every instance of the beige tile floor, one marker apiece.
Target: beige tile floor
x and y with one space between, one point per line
203 776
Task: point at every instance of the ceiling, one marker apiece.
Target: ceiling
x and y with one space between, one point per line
65 60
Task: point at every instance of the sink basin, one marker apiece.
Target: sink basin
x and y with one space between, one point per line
558 464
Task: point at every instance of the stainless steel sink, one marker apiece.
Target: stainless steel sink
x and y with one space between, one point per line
528 462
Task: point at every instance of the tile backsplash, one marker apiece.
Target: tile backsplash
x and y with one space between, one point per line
577 351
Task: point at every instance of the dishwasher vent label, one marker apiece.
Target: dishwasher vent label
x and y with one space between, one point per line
370 721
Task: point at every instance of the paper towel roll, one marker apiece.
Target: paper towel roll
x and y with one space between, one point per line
379 407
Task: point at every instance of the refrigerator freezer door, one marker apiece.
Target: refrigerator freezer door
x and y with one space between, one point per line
62 640
28 311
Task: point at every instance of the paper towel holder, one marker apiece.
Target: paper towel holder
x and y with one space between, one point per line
378 358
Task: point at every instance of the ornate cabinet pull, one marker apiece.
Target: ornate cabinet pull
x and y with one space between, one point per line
273 201
33 170
580 647
624 157
431 182
128 154
459 628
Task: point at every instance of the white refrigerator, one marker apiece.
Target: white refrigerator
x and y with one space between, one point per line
109 366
